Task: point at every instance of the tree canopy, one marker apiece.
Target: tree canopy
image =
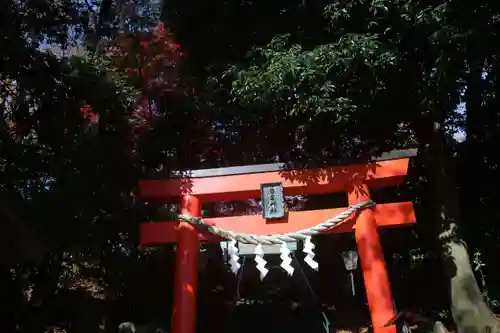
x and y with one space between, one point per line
94 94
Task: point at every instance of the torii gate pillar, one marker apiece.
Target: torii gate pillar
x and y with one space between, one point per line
186 272
371 256
241 183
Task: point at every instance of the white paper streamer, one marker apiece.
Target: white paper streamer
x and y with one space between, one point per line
260 261
234 259
309 251
285 259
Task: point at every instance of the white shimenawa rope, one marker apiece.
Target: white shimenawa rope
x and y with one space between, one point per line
282 239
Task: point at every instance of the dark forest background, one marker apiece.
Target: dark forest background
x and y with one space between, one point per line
95 94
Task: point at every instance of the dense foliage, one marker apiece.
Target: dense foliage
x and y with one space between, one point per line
95 93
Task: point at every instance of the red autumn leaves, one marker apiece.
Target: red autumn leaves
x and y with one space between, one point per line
87 113
150 60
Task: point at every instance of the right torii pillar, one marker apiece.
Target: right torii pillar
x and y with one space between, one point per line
371 256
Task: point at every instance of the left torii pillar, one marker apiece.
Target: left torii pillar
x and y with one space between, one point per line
186 272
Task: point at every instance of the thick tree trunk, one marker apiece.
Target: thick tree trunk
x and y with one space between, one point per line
469 310
476 126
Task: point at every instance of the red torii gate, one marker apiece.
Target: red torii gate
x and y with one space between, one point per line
240 183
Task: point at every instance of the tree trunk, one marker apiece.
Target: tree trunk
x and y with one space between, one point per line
469 310
474 160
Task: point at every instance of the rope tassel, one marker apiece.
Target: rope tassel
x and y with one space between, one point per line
286 259
234 258
260 261
309 251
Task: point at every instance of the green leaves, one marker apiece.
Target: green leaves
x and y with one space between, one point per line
313 81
